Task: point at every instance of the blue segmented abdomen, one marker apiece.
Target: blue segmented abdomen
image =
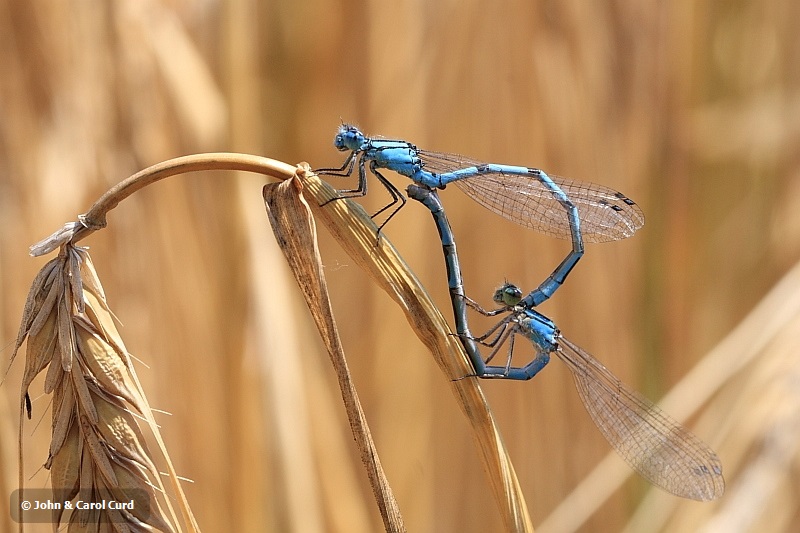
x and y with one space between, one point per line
477 170
524 196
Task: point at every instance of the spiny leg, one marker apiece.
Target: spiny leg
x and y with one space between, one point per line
359 191
397 196
345 170
510 351
477 307
499 341
500 327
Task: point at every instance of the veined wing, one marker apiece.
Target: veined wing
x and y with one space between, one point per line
660 449
605 214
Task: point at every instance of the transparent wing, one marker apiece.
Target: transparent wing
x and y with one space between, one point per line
661 450
605 214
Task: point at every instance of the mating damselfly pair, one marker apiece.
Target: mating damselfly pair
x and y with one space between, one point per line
660 449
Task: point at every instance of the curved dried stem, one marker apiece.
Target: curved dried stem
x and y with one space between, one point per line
95 218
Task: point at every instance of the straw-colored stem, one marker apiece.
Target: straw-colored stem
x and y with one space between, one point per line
95 218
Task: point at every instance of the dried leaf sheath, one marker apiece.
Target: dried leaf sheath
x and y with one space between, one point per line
355 231
296 234
97 450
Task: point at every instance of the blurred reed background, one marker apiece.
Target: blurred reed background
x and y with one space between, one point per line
693 110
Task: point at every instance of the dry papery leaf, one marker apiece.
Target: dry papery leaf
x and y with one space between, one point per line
296 233
350 225
97 451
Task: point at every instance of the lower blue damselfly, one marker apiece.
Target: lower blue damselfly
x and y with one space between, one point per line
660 449
552 205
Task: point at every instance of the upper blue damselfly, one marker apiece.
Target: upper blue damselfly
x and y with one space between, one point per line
552 205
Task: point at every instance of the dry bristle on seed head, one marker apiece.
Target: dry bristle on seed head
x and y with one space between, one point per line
97 449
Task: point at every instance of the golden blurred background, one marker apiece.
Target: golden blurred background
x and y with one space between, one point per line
691 109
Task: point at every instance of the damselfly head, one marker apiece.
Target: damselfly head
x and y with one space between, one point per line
507 294
348 138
